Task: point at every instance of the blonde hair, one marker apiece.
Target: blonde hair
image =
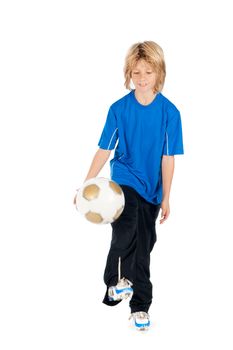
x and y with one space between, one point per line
152 53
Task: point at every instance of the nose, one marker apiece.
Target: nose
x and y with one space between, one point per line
142 76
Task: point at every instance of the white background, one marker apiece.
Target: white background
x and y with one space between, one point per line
61 68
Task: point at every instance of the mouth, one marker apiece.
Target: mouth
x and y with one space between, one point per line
142 85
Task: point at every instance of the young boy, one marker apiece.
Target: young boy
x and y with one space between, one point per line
147 127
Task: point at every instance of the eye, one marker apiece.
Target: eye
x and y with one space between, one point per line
135 72
149 72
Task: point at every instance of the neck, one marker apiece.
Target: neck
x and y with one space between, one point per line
145 98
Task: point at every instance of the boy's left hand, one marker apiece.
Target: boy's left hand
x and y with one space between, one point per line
165 210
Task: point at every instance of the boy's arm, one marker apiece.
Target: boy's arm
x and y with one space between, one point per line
100 158
168 164
98 162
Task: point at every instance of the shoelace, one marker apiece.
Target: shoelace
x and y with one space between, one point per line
139 314
124 282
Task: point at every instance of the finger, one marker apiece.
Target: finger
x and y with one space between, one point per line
162 213
75 198
164 218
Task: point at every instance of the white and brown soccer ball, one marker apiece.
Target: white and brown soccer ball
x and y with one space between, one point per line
100 200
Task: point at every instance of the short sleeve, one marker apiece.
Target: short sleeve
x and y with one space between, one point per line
173 143
109 134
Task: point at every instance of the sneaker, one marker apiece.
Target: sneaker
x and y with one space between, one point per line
122 290
141 320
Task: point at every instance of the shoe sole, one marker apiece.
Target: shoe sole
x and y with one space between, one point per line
144 327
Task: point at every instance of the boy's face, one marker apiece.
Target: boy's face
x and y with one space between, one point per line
143 76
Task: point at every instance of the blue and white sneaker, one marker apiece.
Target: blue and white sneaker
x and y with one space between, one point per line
122 290
141 320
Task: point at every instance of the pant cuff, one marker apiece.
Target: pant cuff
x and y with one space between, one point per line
108 302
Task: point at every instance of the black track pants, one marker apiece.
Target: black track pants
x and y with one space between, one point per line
133 238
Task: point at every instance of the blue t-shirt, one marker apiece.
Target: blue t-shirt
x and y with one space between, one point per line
144 133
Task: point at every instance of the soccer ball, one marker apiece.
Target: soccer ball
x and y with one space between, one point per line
100 200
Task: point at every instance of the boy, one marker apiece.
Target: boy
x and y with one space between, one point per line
148 129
